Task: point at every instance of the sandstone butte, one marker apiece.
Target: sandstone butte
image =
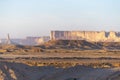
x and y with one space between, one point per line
94 36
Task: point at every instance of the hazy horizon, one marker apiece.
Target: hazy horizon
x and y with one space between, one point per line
21 18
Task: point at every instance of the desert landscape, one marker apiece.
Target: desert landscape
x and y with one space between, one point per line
61 60
59 39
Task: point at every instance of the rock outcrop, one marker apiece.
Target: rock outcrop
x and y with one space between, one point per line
70 44
94 36
42 40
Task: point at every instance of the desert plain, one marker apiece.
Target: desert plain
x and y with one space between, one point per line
60 61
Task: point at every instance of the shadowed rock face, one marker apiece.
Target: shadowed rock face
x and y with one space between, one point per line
71 44
95 36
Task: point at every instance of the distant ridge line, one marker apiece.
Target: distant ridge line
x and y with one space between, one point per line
94 36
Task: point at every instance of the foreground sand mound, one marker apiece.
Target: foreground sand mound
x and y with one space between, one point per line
19 71
84 73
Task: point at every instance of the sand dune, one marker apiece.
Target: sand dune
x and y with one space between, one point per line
19 71
84 73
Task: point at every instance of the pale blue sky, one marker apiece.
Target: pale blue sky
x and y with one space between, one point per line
37 17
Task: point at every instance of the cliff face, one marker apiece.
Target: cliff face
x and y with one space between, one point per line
94 36
42 40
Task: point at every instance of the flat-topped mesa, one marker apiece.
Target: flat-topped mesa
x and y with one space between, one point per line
94 36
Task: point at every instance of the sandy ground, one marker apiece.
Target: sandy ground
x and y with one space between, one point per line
86 53
19 71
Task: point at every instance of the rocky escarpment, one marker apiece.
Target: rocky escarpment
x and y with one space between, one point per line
71 44
94 36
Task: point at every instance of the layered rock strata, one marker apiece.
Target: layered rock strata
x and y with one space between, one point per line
94 36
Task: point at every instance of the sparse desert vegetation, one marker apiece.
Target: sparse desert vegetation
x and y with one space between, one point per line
54 62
